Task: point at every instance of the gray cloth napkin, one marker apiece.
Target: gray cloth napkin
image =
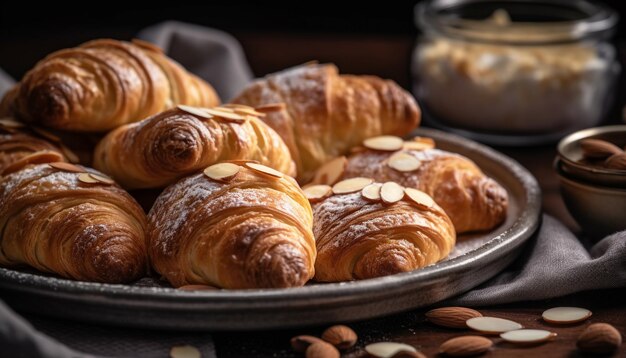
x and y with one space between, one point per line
554 263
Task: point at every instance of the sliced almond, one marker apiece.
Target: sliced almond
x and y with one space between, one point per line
9 122
264 169
270 107
102 179
185 352
419 197
195 111
565 315
351 185
384 143
492 325
421 143
316 193
69 154
235 106
222 171
331 172
40 157
387 349
87 178
147 45
391 192
46 134
248 111
227 114
416 146
528 336
67 167
403 162
197 288
372 192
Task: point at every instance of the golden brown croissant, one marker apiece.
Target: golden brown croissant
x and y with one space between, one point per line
234 226
69 220
161 149
326 114
472 200
365 229
103 84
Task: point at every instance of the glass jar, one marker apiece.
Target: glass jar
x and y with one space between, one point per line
514 72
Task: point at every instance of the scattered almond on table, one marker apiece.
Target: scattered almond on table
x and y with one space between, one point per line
452 317
599 338
465 346
342 337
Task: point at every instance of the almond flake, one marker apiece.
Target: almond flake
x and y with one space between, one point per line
387 349
316 193
102 179
226 114
528 336
46 134
69 154
386 143
249 112
195 111
565 315
222 171
67 167
403 162
87 178
11 123
331 172
351 185
264 169
185 352
391 192
270 107
419 197
492 325
372 192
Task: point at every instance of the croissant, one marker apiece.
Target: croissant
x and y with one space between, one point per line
326 114
103 84
237 225
68 220
18 147
365 229
157 151
473 201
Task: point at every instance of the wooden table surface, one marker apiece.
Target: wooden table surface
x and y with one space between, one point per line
412 328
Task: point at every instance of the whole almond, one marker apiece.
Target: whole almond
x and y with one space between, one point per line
342 337
599 338
322 350
301 343
598 149
465 346
452 317
616 161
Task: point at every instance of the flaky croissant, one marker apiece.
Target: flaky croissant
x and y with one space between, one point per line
236 226
374 229
473 201
326 114
103 84
161 149
71 221
16 146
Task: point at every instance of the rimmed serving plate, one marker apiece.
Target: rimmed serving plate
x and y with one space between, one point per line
149 304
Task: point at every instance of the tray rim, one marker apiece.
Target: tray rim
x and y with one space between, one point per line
332 293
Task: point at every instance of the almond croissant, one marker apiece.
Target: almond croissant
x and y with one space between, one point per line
365 230
326 114
236 226
103 84
473 201
71 221
161 149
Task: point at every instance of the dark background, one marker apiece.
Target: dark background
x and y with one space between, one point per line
360 37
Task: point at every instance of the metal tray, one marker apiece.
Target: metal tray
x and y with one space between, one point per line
147 303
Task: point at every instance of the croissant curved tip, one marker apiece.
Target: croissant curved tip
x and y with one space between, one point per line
117 263
46 103
283 265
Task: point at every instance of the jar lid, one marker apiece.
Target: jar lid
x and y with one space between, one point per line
518 22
